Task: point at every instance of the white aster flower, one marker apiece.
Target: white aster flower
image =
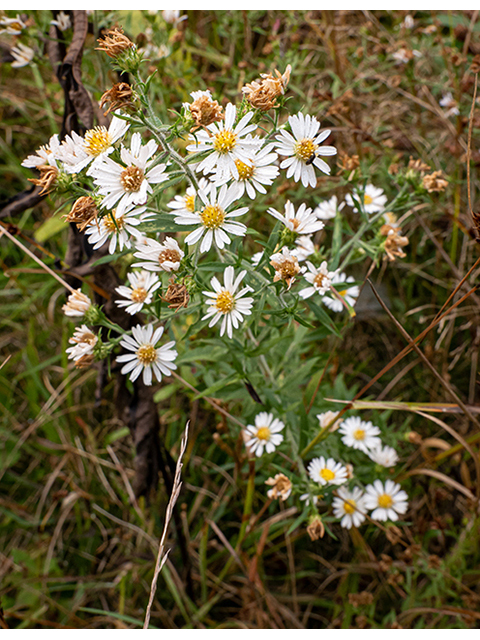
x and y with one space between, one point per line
227 304
328 209
77 304
83 340
213 219
172 16
23 55
309 499
252 177
265 434
319 277
384 456
77 152
302 222
62 21
349 294
118 227
387 502
359 434
449 103
256 258
140 292
158 256
324 419
373 199
146 357
47 154
227 144
130 184
12 26
304 248
186 204
327 471
303 149
350 506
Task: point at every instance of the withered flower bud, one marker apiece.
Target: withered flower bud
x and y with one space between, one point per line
475 66
114 43
262 94
435 182
348 163
83 212
394 242
418 165
176 295
316 529
119 96
204 110
286 267
281 487
48 177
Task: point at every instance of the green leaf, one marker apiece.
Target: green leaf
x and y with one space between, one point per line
49 228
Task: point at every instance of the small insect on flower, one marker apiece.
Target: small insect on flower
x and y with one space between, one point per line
225 303
327 471
146 357
264 435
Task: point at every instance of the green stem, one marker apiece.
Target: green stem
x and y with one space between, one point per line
37 76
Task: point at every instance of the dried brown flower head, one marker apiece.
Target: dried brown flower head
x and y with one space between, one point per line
119 96
281 487
475 66
414 437
286 267
176 295
204 110
48 177
83 211
418 165
77 304
394 242
114 43
434 182
348 163
360 599
85 361
262 94
316 529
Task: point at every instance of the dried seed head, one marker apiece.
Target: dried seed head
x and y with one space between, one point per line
48 177
348 163
418 165
176 295
83 212
286 267
119 96
316 529
475 66
262 94
114 43
360 599
394 242
205 111
281 487
435 182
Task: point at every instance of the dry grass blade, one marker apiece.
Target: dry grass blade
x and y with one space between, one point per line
444 478
161 556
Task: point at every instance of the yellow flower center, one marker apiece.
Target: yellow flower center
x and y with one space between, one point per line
263 433
318 280
190 203
342 293
367 199
132 178
305 149
327 474
169 255
112 223
244 171
225 302
385 501
97 140
139 294
212 216
349 507
225 141
16 25
359 434
147 354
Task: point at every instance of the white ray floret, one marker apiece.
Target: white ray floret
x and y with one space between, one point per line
350 507
327 471
373 199
140 292
118 228
328 209
157 256
301 222
359 434
387 501
320 279
384 456
349 293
